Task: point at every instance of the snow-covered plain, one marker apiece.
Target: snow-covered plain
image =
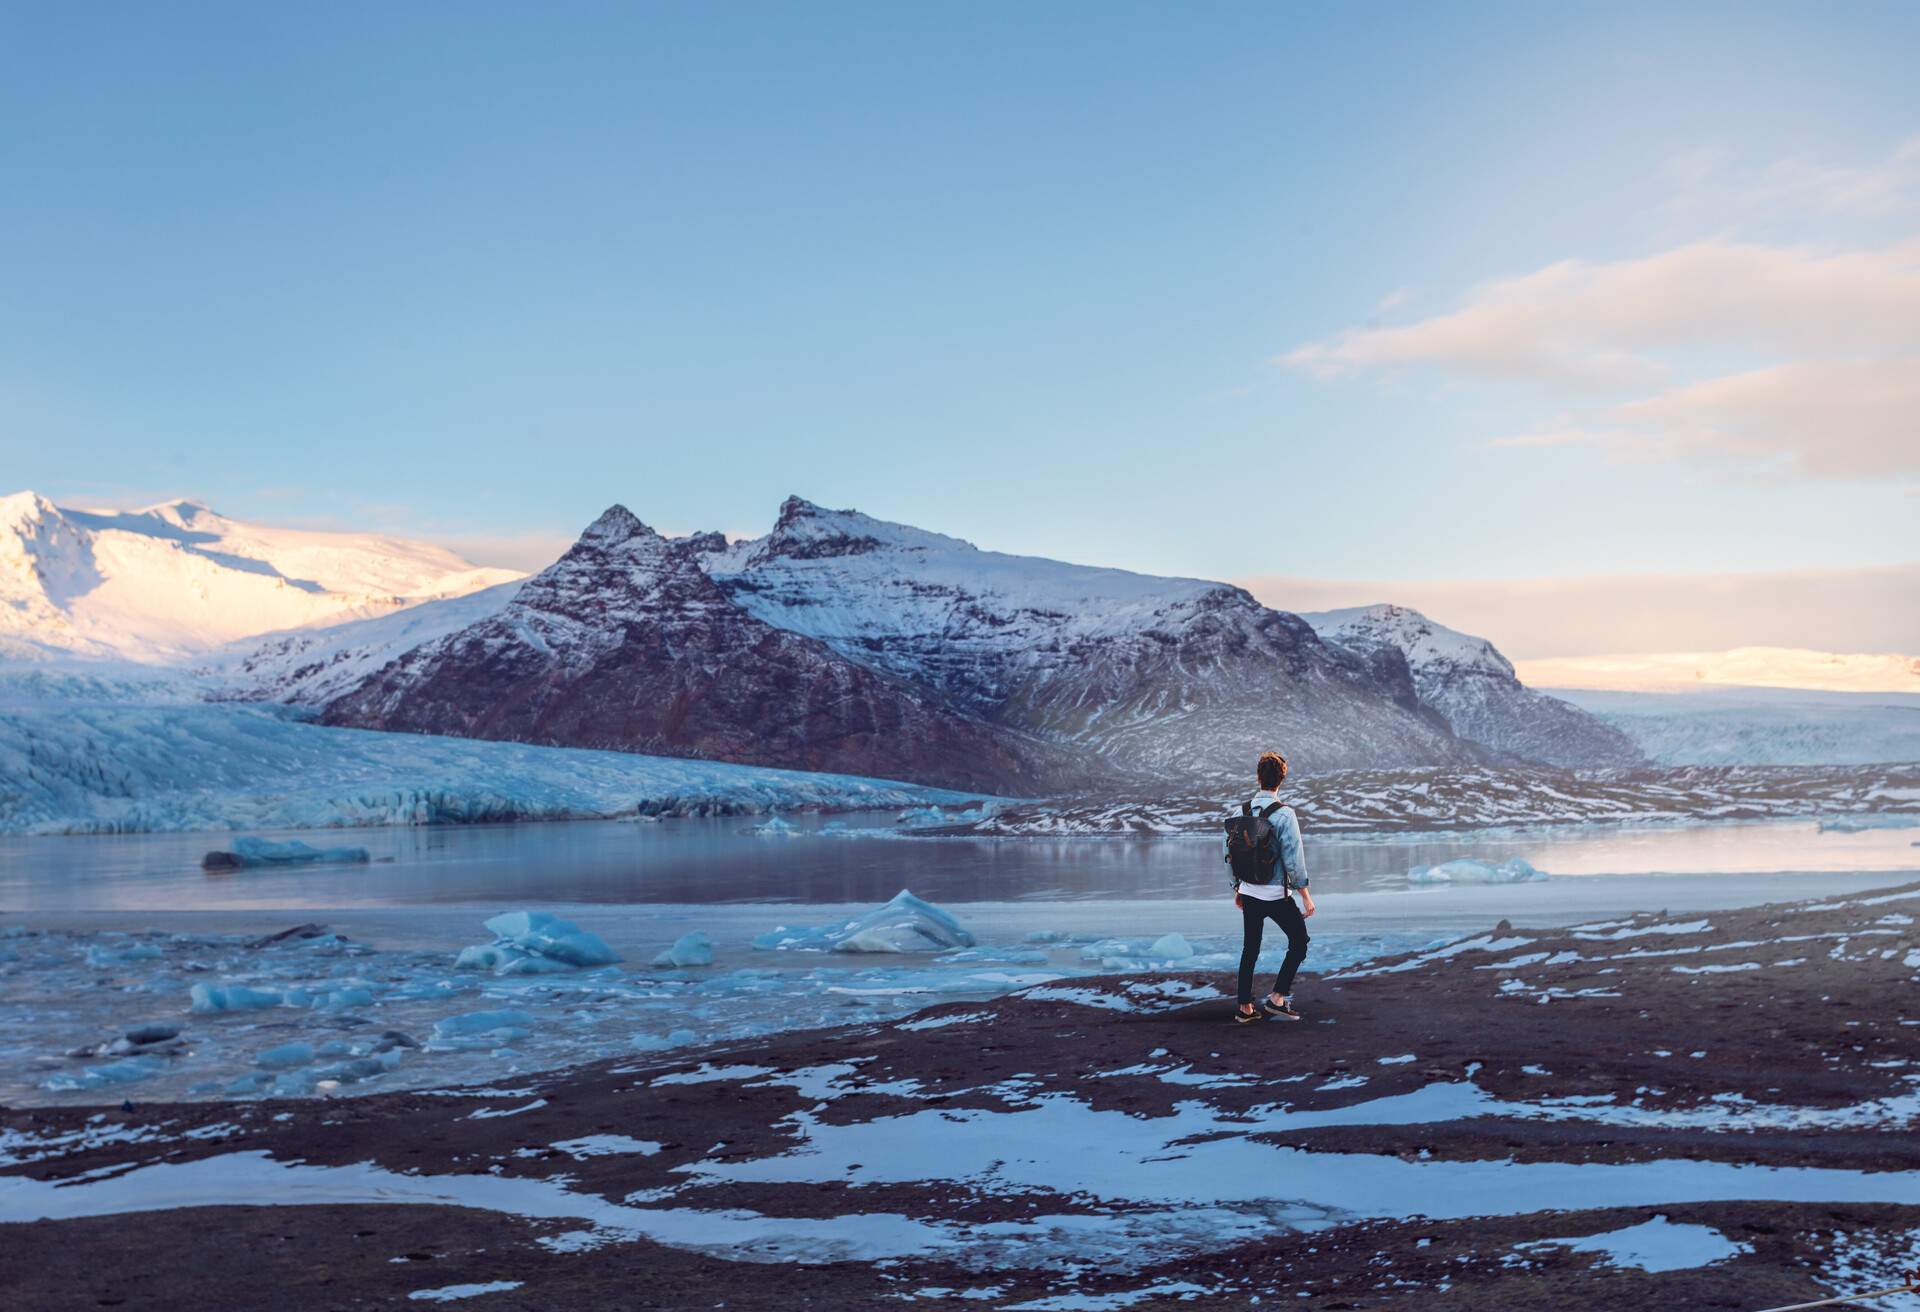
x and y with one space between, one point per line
1761 726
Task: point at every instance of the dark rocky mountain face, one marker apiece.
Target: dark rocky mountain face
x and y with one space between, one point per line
841 642
626 643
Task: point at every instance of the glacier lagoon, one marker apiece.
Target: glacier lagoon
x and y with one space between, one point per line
858 857
110 944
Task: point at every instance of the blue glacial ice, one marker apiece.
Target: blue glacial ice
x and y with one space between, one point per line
94 760
129 1070
249 852
905 924
207 999
536 943
482 1029
1469 871
285 1056
234 1015
694 949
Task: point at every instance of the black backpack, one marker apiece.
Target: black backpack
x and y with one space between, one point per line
1253 844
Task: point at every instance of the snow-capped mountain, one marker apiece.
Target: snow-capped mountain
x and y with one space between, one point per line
843 642
1167 676
174 580
1467 680
626 642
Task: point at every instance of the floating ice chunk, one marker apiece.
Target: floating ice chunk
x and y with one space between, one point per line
1171 947
1469 871
102 955
1854 824
285 1057
905 924
250 1083
655 1043
209 998
482 1029
694 949
343 999
1049 936
100 1077
773 827
547 935
251 852
933 817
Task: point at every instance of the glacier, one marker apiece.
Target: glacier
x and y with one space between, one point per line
103 765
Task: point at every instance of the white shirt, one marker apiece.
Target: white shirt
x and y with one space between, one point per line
1292 854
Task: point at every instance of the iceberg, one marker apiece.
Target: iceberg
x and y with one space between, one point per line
251 852
694 949
100 954
905 924
285 1057
535 943
772 827
1170 947
100 1077
205 999
481 1029
1469 871
549 936
934 817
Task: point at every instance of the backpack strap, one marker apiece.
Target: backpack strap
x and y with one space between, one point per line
1246 808
1266 812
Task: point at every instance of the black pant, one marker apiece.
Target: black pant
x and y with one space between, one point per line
1254 913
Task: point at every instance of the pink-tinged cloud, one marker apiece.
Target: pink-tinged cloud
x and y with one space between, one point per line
1858 610
1607 325
1832 340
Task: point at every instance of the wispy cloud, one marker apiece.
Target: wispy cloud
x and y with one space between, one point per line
1797 359
1868 609
1712 187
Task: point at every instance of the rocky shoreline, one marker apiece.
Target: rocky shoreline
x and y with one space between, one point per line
1715 1111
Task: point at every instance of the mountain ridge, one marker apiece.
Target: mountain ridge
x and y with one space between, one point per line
175 580
1065 676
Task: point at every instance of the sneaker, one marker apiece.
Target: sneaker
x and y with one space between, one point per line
1247 1017
1283 1010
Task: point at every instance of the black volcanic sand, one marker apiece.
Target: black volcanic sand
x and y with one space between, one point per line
1827 1021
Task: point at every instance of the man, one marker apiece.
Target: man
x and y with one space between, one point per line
1271 867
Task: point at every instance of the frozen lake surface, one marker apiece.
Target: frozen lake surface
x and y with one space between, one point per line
867 861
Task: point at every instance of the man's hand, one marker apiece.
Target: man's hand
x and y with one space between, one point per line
1306 904
1236 899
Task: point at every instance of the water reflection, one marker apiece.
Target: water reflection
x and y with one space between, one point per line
721 861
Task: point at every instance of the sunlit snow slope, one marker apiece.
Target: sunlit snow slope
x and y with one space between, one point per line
174 580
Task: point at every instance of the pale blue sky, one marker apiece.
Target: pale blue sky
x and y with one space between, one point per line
1025 274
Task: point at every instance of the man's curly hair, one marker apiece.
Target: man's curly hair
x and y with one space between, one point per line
1272 770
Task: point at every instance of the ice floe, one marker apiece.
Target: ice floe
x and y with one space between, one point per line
249 852
694 949
535 943
905 924
1469 871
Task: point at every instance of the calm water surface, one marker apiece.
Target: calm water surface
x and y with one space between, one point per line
696 861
